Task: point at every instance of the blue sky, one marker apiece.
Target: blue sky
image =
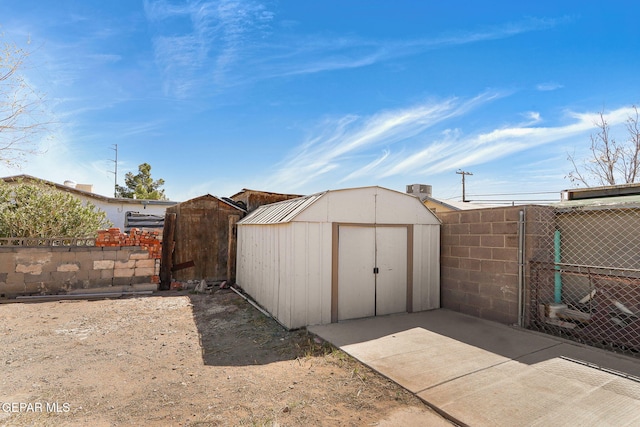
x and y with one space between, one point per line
302 96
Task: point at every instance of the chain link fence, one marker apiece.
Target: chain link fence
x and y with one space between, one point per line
584 281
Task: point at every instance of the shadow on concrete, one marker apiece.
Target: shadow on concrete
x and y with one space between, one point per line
440 327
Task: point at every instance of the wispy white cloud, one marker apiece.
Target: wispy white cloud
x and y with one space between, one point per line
549 86
214 34
342 138
344 148
226 43
499 143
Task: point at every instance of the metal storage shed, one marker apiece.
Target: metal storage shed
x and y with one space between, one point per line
339 255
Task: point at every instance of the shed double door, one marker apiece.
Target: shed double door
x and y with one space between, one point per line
372 271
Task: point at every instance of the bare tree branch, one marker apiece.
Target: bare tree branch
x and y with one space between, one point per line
22 116
610 162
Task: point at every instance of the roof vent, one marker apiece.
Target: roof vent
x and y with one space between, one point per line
70 183
419 190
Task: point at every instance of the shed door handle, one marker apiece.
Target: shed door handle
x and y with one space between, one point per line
375 270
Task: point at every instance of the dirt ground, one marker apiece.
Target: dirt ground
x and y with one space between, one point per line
181 359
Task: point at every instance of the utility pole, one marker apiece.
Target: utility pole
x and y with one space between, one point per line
463 173
115 172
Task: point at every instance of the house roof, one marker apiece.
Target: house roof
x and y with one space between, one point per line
247 190
600 203
458 206
600 192
224 200
89 194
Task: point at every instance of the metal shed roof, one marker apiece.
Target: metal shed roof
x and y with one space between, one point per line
280 212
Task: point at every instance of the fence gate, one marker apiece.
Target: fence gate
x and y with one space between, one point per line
585 276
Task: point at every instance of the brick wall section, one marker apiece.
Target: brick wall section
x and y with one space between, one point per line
118 260
479 263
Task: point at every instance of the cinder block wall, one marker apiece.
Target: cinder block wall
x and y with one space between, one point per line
54 270
479 259
479 263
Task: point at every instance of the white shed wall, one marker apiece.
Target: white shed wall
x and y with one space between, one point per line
284 268
369 205
426 267
287 267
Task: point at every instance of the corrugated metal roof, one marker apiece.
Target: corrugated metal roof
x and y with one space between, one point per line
280 212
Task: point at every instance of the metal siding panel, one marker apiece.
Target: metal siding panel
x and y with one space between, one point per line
399 208
356 284
354 205
325 273
391 261
300 281
313 281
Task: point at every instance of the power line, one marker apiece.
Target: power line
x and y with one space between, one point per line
514 194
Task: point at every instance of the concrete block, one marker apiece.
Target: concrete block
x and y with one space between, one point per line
492 215
458 274
504 228
140 254
468 240
125 264
31 269
470 217
109 252
480 228
7 262
490 266
68 267
122 281
492 241
459 229
460 251
512 214
470 287
124 253
503 291
476 300
511 241
449 239
505 254
145 263
106 274
104 264
44 277
145 271
68 278
447 261
123 272
480 253
470 264
15 278
11 289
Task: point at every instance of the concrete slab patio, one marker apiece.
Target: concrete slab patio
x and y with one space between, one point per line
481 373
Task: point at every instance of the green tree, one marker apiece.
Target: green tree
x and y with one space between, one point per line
40 210
141 185
23 119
